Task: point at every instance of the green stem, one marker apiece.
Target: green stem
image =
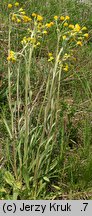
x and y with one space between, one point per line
27 88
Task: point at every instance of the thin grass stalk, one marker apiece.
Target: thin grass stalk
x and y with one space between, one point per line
9 72
9 77
27 85
18 102
10 99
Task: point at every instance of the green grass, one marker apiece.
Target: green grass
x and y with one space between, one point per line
45 123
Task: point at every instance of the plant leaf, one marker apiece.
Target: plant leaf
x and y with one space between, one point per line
9 178
46 179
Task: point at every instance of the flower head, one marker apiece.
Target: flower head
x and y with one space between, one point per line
71 26
48 25
50 54
55 17
64 37
34 14
77 28
39 18
66 68
21 9
13 18
16 4
67 17
26 19
23 12
86 35
65 24
62 18
18 21
44 32
79 43
84 28
9 6
11 56
51 58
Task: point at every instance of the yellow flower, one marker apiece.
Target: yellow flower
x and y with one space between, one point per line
86 35
29 39
79 43
50 54
13 59
23 12
71 26
26 18
11 53
44 32
34 14
29 19
38 43
66 68
51 59
18 20
13 18
80 38
16 4
62 18
65 24
9 6
64 37
39 18
52 23
55 17
67 17
84 28
8 58
39 25
33 40
21 9
48 25
77 28
66 56
24 41
11 56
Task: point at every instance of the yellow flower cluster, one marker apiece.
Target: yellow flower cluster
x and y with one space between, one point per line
28 40
15 18
26 19
20 15
11 5
50 24
11 56
75 33
20 18
38 17
64 18
51 58
77 28
70 34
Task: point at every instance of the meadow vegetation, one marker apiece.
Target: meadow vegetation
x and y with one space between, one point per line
45 100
